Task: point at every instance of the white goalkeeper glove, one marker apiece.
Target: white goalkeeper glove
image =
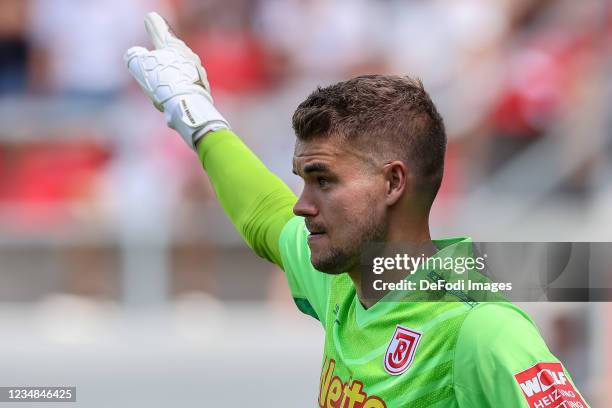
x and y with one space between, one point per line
173 77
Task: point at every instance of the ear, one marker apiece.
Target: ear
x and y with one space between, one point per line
396 175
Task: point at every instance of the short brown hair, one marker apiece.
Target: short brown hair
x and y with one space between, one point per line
391 116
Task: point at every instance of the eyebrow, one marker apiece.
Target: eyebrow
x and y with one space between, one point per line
314 168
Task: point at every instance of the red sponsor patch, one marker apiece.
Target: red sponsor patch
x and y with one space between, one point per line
400 352
545 386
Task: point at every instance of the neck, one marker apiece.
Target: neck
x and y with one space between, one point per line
415 242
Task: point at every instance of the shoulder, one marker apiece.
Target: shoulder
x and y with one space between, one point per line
489 324
499 361
294 233
309 287
498 337
293 244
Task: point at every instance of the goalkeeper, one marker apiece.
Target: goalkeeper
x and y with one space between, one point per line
371 153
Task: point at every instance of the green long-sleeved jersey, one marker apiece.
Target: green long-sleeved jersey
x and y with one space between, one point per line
394 354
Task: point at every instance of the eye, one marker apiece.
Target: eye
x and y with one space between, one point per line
323 182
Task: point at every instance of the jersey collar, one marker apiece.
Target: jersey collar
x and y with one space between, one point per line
448 247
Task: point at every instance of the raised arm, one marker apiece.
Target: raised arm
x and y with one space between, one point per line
257 202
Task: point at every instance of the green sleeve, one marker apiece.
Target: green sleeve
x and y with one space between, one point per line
498 356
310 288
257 202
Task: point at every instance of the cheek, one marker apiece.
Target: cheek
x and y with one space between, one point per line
356 206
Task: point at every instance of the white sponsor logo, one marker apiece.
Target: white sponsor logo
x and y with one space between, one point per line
542 381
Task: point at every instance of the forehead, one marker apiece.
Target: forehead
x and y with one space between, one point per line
328 151
328 147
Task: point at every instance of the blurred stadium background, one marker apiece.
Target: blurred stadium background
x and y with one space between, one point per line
119 272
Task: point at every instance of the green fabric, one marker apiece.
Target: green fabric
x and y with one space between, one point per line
305 307
497 341
257 202
305 282
467 356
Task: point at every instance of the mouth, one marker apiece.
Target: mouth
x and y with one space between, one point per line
316 232
315 235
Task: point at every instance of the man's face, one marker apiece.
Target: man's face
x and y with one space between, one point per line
342 202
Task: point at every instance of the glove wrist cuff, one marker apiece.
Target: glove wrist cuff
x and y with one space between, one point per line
192 116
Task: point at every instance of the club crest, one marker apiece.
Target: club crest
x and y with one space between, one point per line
401 350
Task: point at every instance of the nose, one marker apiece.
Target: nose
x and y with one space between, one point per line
305 207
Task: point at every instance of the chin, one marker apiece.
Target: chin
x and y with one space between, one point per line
333 263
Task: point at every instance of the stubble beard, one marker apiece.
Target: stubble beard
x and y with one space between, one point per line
339 259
